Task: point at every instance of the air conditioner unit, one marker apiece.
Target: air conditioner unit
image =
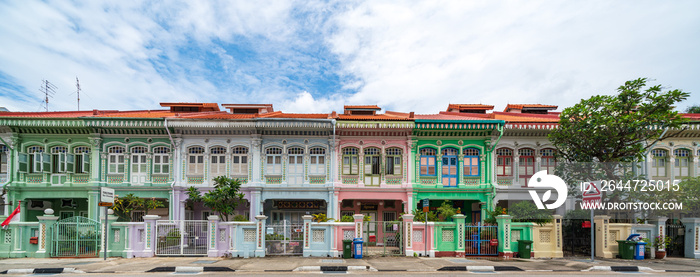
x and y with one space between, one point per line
38 205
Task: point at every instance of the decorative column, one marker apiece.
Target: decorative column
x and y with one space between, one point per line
692 237
45 222
307 235
459 234
460 169
602 242
260 235
256 159
671 166
504 236
558 249
150 241
213 228
361 168
408 234
438 169
659 230
358 224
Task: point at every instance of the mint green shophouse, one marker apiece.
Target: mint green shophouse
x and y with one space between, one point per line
454 161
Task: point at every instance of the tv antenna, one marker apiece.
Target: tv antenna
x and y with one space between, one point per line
77 85
48 89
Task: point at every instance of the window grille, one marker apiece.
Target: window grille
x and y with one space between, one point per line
449 152
526 152
138 150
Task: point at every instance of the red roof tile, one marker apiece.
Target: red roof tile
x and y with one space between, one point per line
372 107
452 116
140 114
523 106
63 114
294 115
204 106
372 117
525 117
469 107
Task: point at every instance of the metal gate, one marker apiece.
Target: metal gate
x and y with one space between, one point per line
284 238
577 237
181 237
383 238
675 230
478 240
76 237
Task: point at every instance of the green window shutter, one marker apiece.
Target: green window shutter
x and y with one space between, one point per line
23 160
46 162
70 162
86 162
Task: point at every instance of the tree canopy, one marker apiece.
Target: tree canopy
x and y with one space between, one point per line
223 199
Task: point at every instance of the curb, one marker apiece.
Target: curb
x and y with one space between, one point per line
48 270
480 268
191 269
341 268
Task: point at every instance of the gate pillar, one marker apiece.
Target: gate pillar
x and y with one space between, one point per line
260 235
45 221
459 235
213 227
306 252
408 234
659 230
504 237
103 237
558 248
149 222
358 224
602 237
692 237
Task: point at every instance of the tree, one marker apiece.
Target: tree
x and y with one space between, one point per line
693 109
123 206
223 199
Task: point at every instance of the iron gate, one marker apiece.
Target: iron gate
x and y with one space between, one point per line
478 240
284 238
383 238
577 237
675 230
181 237
76 237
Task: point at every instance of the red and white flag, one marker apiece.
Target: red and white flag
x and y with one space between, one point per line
14 217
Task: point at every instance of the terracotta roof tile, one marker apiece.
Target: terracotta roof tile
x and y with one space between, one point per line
63 114
140 114
375 107
452 116
523 118
521 106
371 117
295 115
469 107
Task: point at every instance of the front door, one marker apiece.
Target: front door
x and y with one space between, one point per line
138 169
449 171
296 170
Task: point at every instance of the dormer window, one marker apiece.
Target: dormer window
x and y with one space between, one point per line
249 108
362 110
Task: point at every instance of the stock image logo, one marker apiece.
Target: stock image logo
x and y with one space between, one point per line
542 180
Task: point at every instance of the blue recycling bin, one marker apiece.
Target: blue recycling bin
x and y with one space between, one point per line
357 247
638 246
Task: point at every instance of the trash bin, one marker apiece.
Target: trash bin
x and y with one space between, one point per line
635 240
628 248
357 247
524 248
639 251
347 249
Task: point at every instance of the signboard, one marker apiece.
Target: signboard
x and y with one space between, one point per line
591 193
294 243
106 197
426 203
369 206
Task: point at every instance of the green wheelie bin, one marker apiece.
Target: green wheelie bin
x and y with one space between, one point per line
524 248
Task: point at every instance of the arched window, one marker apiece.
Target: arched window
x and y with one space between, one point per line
427 162
274 161
682 163
317 161
547 160
115 160
526 166
161 160
239 161
35 160
393 161
60 160
372 166
504 162
82 159
139 165
295 170
350 161
471 162
658 162
449 167
195 161
217 157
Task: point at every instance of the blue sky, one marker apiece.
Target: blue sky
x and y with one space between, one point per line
316 56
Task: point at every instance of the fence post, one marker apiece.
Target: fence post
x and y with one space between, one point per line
459 234
602 235
558 248
408 233
150 226
44 223
504 236
213 231
307 233
358 224
260 235
692 235
659 230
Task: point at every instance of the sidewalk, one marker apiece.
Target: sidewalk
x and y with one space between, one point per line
290 263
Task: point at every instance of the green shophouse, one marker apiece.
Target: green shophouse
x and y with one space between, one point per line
454 161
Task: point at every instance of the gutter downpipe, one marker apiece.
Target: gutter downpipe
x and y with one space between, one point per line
501 130
172 185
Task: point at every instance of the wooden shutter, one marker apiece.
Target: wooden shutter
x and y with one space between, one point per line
70 162
46 162
397 165
23 163
86 162
368 165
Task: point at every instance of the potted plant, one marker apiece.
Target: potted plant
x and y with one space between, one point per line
661 243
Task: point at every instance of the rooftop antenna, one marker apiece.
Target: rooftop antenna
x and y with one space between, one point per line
77 85
48 89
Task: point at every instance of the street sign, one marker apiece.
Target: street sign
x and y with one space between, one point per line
106 195
591 193
105 204
426 202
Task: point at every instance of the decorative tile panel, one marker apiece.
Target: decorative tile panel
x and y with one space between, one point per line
697 233
418 236
35 179
222 235
393 180
349 179
409 234
212 235
506 236
273 180
307 230
148 235
545 236
505 181
348 234
117 235
249 235
315 180
159 179
319 236
515 235
448 235
81 178
115 179
614 235
42 226
472 181
195 180
428 180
